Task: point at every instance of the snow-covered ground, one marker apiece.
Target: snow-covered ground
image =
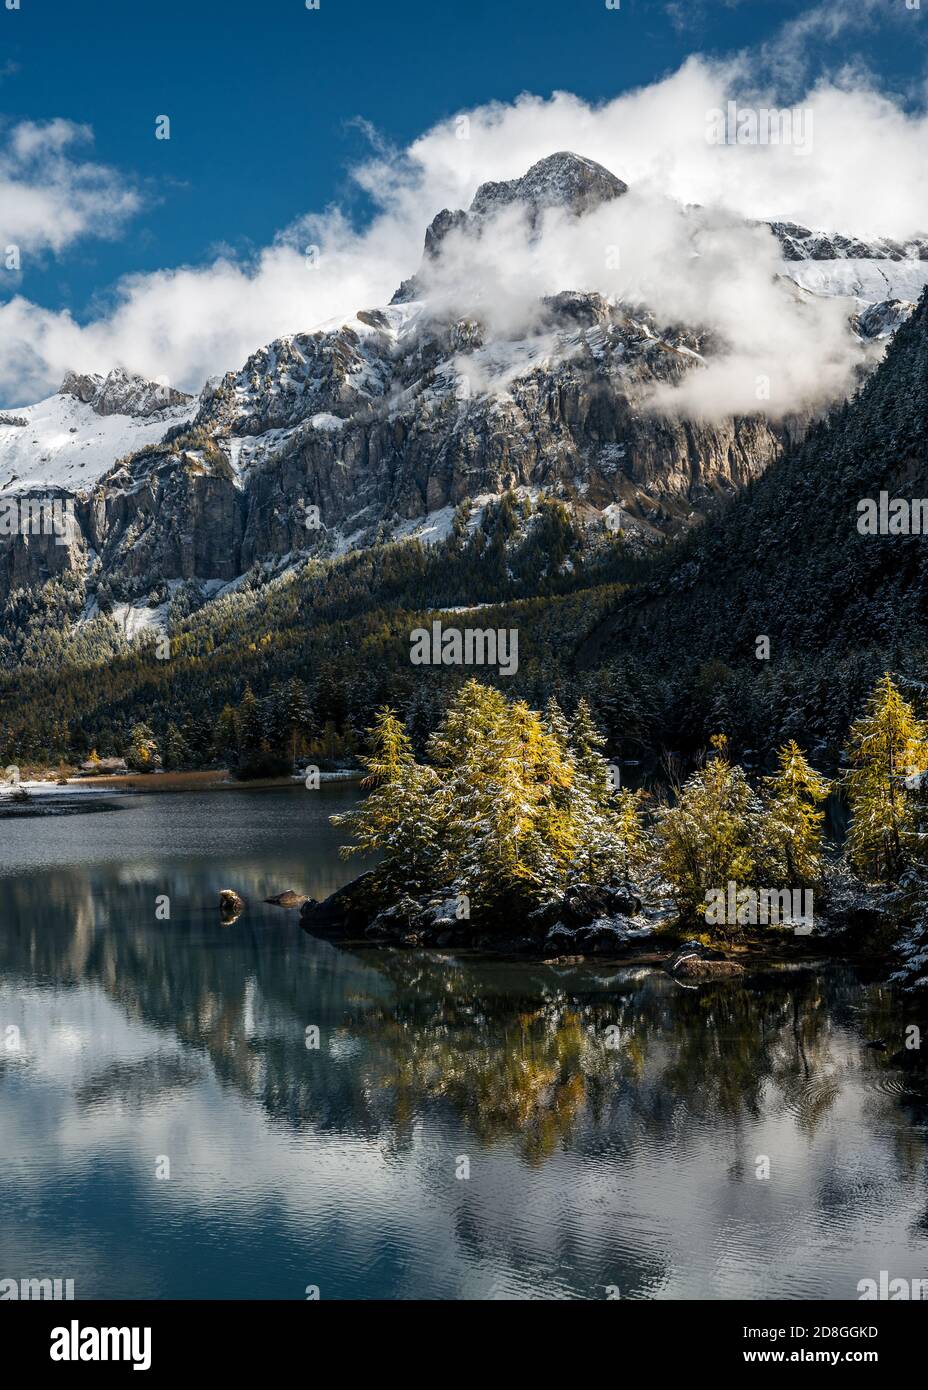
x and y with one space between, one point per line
64 443
134 619
45 790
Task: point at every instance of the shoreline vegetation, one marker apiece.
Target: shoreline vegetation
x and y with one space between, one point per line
515 836
214 779
43 795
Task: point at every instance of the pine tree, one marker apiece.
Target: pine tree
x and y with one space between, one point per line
556 723
299 715
793 825
886 748
587 744
395 817
248 723
712 834
226 737
176 752
608 825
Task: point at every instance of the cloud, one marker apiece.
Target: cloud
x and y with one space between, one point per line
864 174
49 197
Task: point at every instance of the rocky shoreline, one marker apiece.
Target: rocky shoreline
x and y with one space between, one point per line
605 923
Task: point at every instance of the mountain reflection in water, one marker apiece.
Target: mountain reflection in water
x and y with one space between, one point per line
612 1118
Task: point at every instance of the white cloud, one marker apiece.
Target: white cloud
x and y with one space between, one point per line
49 197
865 174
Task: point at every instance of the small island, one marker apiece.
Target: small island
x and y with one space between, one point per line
515 836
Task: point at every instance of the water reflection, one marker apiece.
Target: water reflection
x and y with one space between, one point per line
613 1119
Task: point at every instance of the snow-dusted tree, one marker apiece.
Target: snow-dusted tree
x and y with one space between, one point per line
909 901
176 751
712 834
887 750
396 817
793 823
143 749
248 722
555 722
225 739
505 830
607 822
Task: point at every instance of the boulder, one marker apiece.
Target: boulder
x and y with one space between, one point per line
584 902
611 933
230 903
601 936
561 939
693 968
623 900
288 899
693 961
348 909
587 902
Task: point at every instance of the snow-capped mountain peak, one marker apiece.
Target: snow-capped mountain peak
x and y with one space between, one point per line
562 180
390 417
70 439
122 393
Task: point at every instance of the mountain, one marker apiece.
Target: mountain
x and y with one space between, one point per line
563 180
69 440
664 646
788 561
383 424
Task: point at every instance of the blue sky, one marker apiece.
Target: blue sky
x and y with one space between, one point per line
264 97
271 104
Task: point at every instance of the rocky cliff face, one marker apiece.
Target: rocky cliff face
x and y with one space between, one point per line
802 244
324 438
386 420
118 393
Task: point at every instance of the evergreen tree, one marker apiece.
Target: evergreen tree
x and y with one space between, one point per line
248 723
226 736
300 724
176 751
607 822
143 749
793 825
886 750
712 834
395 817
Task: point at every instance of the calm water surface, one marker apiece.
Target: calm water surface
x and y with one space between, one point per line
590 1166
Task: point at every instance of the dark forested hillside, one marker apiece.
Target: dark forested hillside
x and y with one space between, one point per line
787 562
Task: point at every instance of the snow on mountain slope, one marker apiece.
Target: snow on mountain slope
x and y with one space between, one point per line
869 280
382 422
66 443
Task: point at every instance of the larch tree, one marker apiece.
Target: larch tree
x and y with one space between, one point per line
505 831
886 751
711 835
395 817
793 825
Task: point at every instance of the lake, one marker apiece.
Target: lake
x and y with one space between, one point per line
465 1129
